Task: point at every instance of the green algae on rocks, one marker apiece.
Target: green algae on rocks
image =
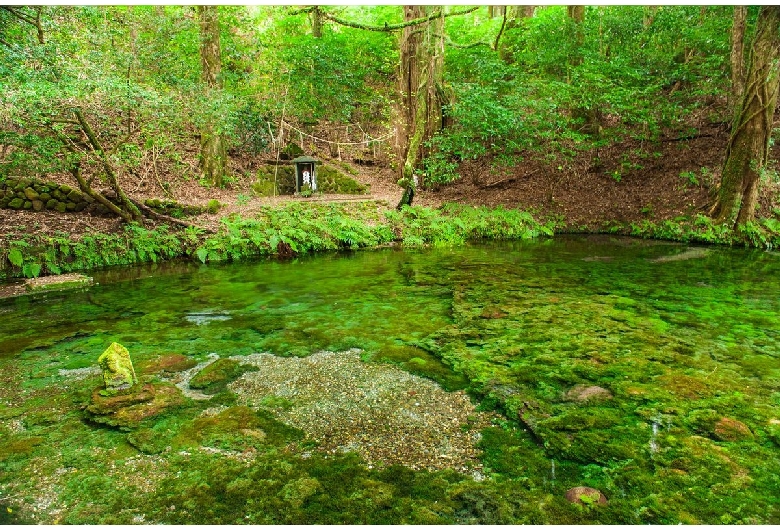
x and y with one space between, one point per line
118 372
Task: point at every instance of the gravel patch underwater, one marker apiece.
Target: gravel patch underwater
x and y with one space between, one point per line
379 411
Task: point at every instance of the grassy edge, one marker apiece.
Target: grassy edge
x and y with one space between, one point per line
299 229
274 231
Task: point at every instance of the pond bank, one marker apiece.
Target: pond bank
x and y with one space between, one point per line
293 229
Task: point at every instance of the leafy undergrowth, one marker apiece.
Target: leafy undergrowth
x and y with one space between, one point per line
763 233
282 231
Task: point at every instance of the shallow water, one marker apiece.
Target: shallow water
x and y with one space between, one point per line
677 338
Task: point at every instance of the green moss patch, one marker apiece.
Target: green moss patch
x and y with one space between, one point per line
167 364
59 282
215 377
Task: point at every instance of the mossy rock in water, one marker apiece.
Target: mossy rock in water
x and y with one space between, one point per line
237 428
19 445
215 377
148 441
128 409
118 372
730 430
585 495
582 393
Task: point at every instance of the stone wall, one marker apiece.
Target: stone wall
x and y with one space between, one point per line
19 193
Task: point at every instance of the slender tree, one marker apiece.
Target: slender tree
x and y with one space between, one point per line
738 54
514 17
748 147
577 16
213 152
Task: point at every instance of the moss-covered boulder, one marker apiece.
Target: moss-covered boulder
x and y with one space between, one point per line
290 151
730 430
118 372
585 495
331 180
215 377
274 180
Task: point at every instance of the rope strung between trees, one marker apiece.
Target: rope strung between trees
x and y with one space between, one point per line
330 142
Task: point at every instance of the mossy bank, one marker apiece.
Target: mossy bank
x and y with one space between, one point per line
298 228
283 231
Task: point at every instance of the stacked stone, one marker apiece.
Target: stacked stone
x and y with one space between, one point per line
30 194
174 208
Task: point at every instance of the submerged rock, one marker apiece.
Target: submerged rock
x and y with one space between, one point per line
690 253
585 495
729 430
167 364
581 393
128 409
118 373
215 377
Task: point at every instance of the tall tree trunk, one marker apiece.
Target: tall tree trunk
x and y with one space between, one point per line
496 11
738 54
316 23
213 152
748 148
421 89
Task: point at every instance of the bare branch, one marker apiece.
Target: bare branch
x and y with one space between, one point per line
396 27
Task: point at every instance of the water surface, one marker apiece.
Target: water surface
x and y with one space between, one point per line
679 346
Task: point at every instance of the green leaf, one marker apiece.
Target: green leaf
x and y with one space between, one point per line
202 253
31 270
15 257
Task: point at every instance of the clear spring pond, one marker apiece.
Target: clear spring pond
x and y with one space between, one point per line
338 388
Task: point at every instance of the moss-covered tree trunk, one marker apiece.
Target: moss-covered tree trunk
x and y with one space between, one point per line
421 90
748 148
316 23
213 152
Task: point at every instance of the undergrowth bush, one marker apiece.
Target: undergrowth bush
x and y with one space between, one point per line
764 233
284 231
301 228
